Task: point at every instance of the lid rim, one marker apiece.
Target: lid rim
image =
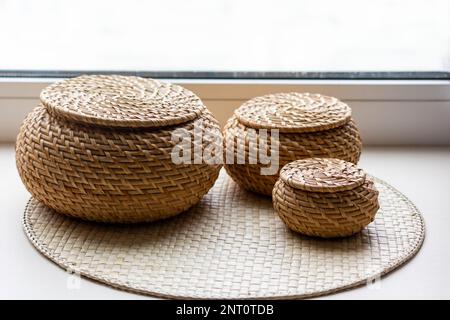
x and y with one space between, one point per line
91 120
250 113
121 102
310 129
302 175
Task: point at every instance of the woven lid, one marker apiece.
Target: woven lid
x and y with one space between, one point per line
121 101
294 112
322 175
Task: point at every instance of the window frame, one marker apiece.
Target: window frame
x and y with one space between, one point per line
394 111
238 75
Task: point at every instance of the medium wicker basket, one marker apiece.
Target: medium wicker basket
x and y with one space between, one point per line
309 125
325 197
99 148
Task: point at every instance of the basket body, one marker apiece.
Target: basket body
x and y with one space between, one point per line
111 174
326 215
320 211
343 142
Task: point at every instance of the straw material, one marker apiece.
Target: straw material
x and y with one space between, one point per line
121 101
325 198
294 112
231 245
116 175
322 175
343 143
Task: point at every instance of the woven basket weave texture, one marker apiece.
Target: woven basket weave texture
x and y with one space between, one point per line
121 101
325 197
310 125
74 154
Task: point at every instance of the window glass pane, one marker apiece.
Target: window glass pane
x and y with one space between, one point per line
225 35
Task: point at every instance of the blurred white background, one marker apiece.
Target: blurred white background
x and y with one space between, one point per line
225 35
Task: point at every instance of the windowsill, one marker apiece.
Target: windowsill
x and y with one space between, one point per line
388 112
422 174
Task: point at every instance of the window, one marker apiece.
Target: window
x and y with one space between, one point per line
229 38
389 59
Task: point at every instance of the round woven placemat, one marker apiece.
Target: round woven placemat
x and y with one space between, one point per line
231 245
294 112
121 101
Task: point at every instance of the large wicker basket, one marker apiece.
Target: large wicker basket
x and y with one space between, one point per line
325 197
99 148
309 125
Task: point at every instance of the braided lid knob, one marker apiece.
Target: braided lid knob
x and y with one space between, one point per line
322 175
294 112
121 101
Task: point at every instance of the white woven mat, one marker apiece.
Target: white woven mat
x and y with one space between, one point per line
231 245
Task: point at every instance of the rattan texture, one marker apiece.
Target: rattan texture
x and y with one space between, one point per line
294 112
343 143
109 174
121 101
231 245
322 175
314 197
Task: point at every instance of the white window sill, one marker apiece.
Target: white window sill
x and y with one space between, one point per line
422 174
388 112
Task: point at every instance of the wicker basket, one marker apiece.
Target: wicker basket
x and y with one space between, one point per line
309 125
325 197
99 148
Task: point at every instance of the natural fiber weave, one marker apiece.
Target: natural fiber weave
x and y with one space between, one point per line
112 174
121 101
231 245
325 198
343 143
322 175
294 112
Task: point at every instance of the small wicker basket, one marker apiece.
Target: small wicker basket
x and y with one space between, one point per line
99 148
325 197
309 125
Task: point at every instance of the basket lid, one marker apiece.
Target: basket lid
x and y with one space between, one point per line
121 101
322 175
294 112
